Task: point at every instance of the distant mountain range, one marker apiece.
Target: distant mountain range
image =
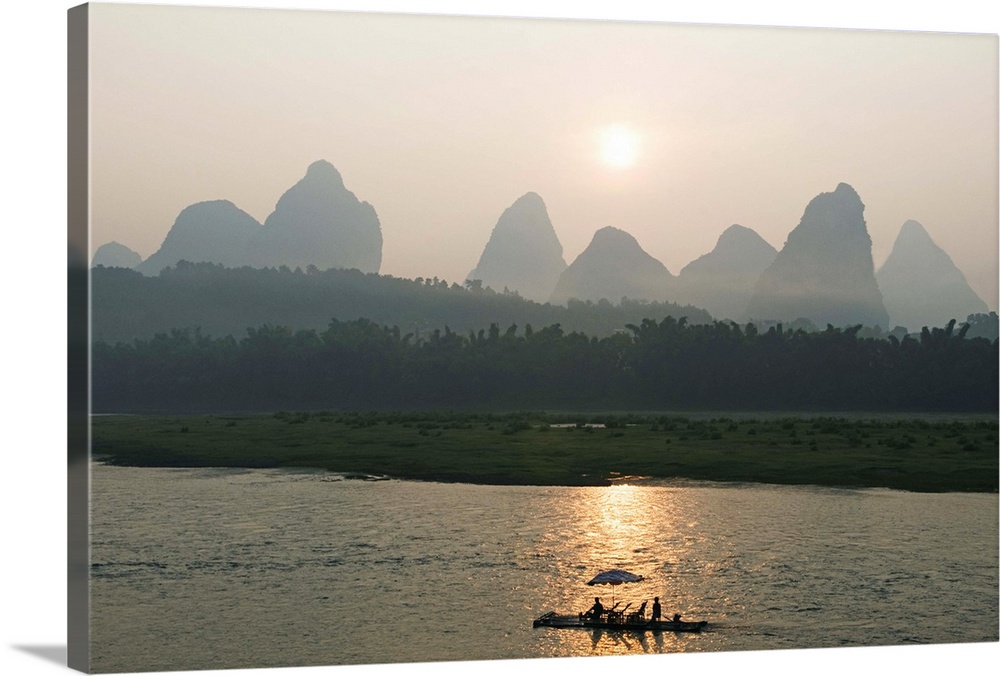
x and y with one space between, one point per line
824 273
317 222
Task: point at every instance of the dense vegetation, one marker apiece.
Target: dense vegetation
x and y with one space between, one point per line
653 365
928 454
227 301
179 342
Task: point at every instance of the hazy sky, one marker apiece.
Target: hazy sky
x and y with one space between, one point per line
442 122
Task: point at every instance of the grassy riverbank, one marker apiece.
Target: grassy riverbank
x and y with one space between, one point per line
912 453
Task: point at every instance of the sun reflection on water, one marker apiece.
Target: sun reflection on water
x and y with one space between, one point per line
643 529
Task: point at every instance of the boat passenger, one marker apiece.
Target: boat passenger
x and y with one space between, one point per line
596 610
656 610
677 617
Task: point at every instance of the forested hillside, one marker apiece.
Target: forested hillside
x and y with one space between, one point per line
227 301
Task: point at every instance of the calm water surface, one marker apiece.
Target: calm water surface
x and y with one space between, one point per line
220 568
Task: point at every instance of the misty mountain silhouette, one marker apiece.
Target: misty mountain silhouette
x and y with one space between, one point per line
920 284
614 266
523 253
318 221
824 272
722 280
115 255
207 232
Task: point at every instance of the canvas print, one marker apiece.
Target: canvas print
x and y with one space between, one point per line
411 338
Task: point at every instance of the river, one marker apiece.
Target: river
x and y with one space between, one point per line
222 568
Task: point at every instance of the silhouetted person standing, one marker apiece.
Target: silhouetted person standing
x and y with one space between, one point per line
656 609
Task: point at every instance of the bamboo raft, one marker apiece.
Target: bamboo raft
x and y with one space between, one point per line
615 621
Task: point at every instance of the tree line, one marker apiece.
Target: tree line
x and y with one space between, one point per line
671 364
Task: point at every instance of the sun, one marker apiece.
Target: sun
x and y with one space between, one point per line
619 146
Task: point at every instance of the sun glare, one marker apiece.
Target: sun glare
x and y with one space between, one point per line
619 146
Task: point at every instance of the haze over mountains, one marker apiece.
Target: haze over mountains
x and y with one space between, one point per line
318 221
523 252
824 273
206 232
920 284
612 267
115 255
722 280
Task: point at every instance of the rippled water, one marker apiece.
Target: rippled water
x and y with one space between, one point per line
218 568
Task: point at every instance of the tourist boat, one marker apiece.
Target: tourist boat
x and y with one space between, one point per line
616 622
614 619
